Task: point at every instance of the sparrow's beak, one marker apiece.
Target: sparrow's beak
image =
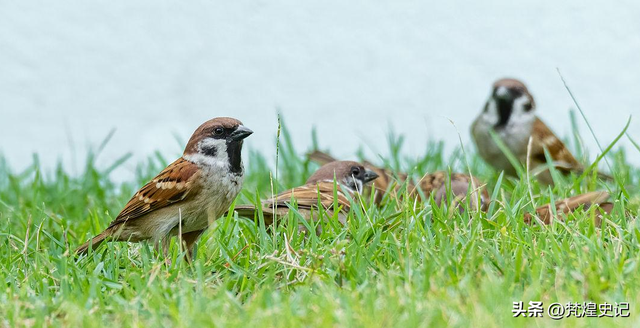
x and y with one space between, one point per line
369 175
240 133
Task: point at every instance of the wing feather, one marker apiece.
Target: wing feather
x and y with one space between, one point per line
174 184
545 138
307 196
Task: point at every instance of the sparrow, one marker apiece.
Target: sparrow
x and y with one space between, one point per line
569 205
350 178
380 185
188 194
458 185
510 113
439 182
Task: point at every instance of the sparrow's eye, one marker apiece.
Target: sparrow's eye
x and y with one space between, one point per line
355 171
218 131
528 107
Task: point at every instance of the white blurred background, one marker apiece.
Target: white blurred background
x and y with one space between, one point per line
70 71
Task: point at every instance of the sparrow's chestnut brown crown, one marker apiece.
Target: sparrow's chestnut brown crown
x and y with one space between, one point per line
511 84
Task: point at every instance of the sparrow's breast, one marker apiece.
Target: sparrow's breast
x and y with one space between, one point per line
514 136
487 148
220 187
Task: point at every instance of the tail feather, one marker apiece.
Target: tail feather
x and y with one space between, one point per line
93 243
604 176
320 157
245 210
250 211
601 175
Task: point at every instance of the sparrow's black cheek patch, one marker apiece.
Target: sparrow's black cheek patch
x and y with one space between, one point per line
528 107
210 151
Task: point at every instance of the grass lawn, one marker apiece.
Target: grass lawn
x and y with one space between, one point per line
404 264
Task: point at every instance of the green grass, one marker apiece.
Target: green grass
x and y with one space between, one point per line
401 265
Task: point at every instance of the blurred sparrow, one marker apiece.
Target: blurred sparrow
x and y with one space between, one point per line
569 205
510 113
350 179
458 185
188 194
440 182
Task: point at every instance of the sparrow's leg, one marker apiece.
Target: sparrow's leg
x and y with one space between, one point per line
189 239
162 245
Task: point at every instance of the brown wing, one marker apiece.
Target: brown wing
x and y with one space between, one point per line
543 137
174 184
564 206
307 196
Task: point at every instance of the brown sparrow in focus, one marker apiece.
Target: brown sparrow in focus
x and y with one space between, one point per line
188 194
568 205
510 112
430 182
350 179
